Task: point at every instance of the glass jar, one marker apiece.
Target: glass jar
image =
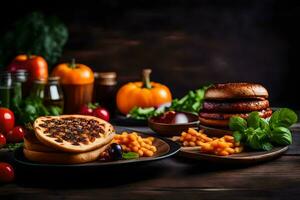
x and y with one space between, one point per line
105 90
53 94
6 89
38 88
20 81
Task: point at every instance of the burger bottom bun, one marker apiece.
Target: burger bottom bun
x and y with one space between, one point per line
63 158
214 122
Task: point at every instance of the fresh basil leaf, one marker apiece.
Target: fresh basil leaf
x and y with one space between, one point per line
281 136
267 146
253 120
54 110
130 155
254 142
237 136
14 146
283 117
237 124
264 124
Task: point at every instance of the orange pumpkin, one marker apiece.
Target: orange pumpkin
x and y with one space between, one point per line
142 94
73 73
77 82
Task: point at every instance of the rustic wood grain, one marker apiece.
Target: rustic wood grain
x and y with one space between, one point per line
173 178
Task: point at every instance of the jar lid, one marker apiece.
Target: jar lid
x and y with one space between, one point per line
5 74
21 71
40 81
106 78
53 79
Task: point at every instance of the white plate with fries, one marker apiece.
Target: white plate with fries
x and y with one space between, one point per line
197 145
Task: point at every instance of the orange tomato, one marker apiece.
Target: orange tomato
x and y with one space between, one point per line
142 94
36 66
73 73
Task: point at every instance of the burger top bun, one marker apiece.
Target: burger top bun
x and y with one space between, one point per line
236 91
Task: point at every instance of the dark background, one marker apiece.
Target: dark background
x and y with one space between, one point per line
186 43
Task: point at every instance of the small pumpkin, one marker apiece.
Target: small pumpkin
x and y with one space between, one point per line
73 73
142 94
77 82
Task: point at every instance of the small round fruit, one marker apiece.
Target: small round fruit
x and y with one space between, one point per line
101 113
2 140
7 120
7 173
86 110
115 151
16 135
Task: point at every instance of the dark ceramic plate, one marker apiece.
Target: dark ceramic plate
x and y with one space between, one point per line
168 130
165 148
122 120
250 157
213 131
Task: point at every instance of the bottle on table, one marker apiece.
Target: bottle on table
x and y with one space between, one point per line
6 89
50 92
105 90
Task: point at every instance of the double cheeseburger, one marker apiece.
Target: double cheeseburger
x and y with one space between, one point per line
223 101
67 139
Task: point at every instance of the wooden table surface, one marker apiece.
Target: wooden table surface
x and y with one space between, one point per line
172 178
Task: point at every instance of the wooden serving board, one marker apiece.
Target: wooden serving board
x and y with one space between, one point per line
250 157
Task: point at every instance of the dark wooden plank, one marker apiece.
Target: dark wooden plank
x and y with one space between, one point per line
175 179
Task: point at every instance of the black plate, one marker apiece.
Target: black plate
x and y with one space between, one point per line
165 148
122 120
247 157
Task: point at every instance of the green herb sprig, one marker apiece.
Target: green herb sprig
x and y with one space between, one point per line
191 102
34 34
261 134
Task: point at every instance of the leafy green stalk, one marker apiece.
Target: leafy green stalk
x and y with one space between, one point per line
34 34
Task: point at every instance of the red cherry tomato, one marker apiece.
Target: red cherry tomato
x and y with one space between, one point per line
7 173
7 120
2 140
16 135
86 110
102 113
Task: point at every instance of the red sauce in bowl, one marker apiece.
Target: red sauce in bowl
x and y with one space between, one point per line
173 117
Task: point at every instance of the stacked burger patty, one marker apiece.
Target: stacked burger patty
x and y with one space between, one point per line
223 101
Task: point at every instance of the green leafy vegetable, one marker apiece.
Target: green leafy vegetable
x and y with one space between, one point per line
237 136
237 124
31 108
281 136
253 120
283 117
192 102
130 155
144 113
13 146
34 34
257 133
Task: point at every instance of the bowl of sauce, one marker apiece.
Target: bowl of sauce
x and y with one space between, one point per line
172 123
